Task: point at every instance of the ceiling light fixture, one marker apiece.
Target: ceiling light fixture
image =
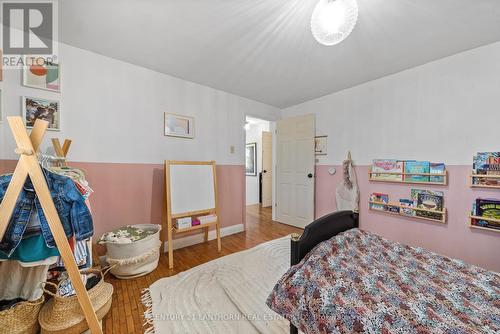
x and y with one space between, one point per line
333 20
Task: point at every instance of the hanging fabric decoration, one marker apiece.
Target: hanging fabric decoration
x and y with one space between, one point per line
347 193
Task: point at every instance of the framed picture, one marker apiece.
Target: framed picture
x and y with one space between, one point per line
45 76
179 126
251 159
320 145
37 108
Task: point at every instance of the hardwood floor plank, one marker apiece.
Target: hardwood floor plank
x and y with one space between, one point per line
126 315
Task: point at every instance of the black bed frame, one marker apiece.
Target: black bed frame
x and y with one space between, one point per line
318 231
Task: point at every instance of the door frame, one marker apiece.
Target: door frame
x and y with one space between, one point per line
272 128
263 174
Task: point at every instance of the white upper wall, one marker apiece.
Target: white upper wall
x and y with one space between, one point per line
442 111
113 112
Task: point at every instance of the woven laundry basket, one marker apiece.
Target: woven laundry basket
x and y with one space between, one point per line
136 258
22 318
63 315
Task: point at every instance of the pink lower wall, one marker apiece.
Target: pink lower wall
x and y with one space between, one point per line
126 194
454 239
133 193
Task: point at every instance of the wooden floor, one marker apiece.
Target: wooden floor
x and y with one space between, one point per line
126 315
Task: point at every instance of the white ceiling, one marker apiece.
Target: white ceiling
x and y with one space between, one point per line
264 50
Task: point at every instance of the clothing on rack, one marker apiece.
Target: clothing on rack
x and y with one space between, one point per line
82 254
21 282
47 160
78 176
30 250
69 202
33 228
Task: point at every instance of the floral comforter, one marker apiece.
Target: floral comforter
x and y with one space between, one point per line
358 282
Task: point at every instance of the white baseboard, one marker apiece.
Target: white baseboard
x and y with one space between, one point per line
199 238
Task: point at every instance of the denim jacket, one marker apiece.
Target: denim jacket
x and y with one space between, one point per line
69 202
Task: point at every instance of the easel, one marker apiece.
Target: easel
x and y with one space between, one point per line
61 151
28 165
171 216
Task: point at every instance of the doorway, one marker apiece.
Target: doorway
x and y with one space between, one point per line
259 162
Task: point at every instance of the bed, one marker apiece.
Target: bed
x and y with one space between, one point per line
345 280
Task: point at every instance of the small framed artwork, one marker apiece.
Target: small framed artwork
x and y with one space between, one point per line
251 159
45 76
320 145
179 126
37 108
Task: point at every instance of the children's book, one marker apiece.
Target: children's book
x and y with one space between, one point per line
482 159
387 166
436 168
381 198
414 194
417 167
439 197
487 163
407 203
393 209
489 208
429 202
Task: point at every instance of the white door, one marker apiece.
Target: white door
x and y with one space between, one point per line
295 171
267 169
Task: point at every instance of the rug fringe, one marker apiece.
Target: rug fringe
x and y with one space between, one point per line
147 301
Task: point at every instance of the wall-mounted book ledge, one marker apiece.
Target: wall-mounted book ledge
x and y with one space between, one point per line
402 210
440 179
484 181
473 220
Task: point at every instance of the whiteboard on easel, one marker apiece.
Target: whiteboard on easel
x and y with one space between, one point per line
191 188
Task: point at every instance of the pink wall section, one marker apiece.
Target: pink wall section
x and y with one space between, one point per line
133 193
454 239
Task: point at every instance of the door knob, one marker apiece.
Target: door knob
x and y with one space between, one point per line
309 175
264 171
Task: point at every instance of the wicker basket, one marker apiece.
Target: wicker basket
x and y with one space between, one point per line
134 259
21 318
63 315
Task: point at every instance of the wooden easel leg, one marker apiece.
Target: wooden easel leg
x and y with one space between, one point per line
218 237
164 223
170 246
206 233
28 163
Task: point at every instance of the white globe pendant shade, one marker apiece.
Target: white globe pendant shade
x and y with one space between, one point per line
333 20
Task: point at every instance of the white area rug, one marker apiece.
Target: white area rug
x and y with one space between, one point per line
226 295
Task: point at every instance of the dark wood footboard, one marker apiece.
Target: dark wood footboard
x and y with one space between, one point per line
318 231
